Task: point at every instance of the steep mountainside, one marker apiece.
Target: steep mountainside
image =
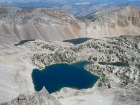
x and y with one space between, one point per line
123 21
53 24
95 15
40 23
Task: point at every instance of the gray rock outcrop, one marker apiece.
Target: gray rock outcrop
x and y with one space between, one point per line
38 98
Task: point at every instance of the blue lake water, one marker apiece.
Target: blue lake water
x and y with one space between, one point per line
113 63
24 41
77 41
57 76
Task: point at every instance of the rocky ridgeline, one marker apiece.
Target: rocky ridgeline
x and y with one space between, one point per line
54 24
122 17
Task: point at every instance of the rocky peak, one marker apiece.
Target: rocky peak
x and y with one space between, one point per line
44 15
129 6
3 13
38 98
128 9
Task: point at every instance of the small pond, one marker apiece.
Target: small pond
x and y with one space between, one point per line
24 41
77 41
113 63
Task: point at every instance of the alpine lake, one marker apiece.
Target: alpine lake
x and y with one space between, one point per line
57 76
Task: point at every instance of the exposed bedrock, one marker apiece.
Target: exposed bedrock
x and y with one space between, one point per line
38 98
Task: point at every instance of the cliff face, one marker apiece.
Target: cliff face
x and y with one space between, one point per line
53 24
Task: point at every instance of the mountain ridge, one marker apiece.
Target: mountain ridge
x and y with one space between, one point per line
124 21
53 24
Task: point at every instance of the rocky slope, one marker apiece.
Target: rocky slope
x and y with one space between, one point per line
39 23
38 98
53 24
122 21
